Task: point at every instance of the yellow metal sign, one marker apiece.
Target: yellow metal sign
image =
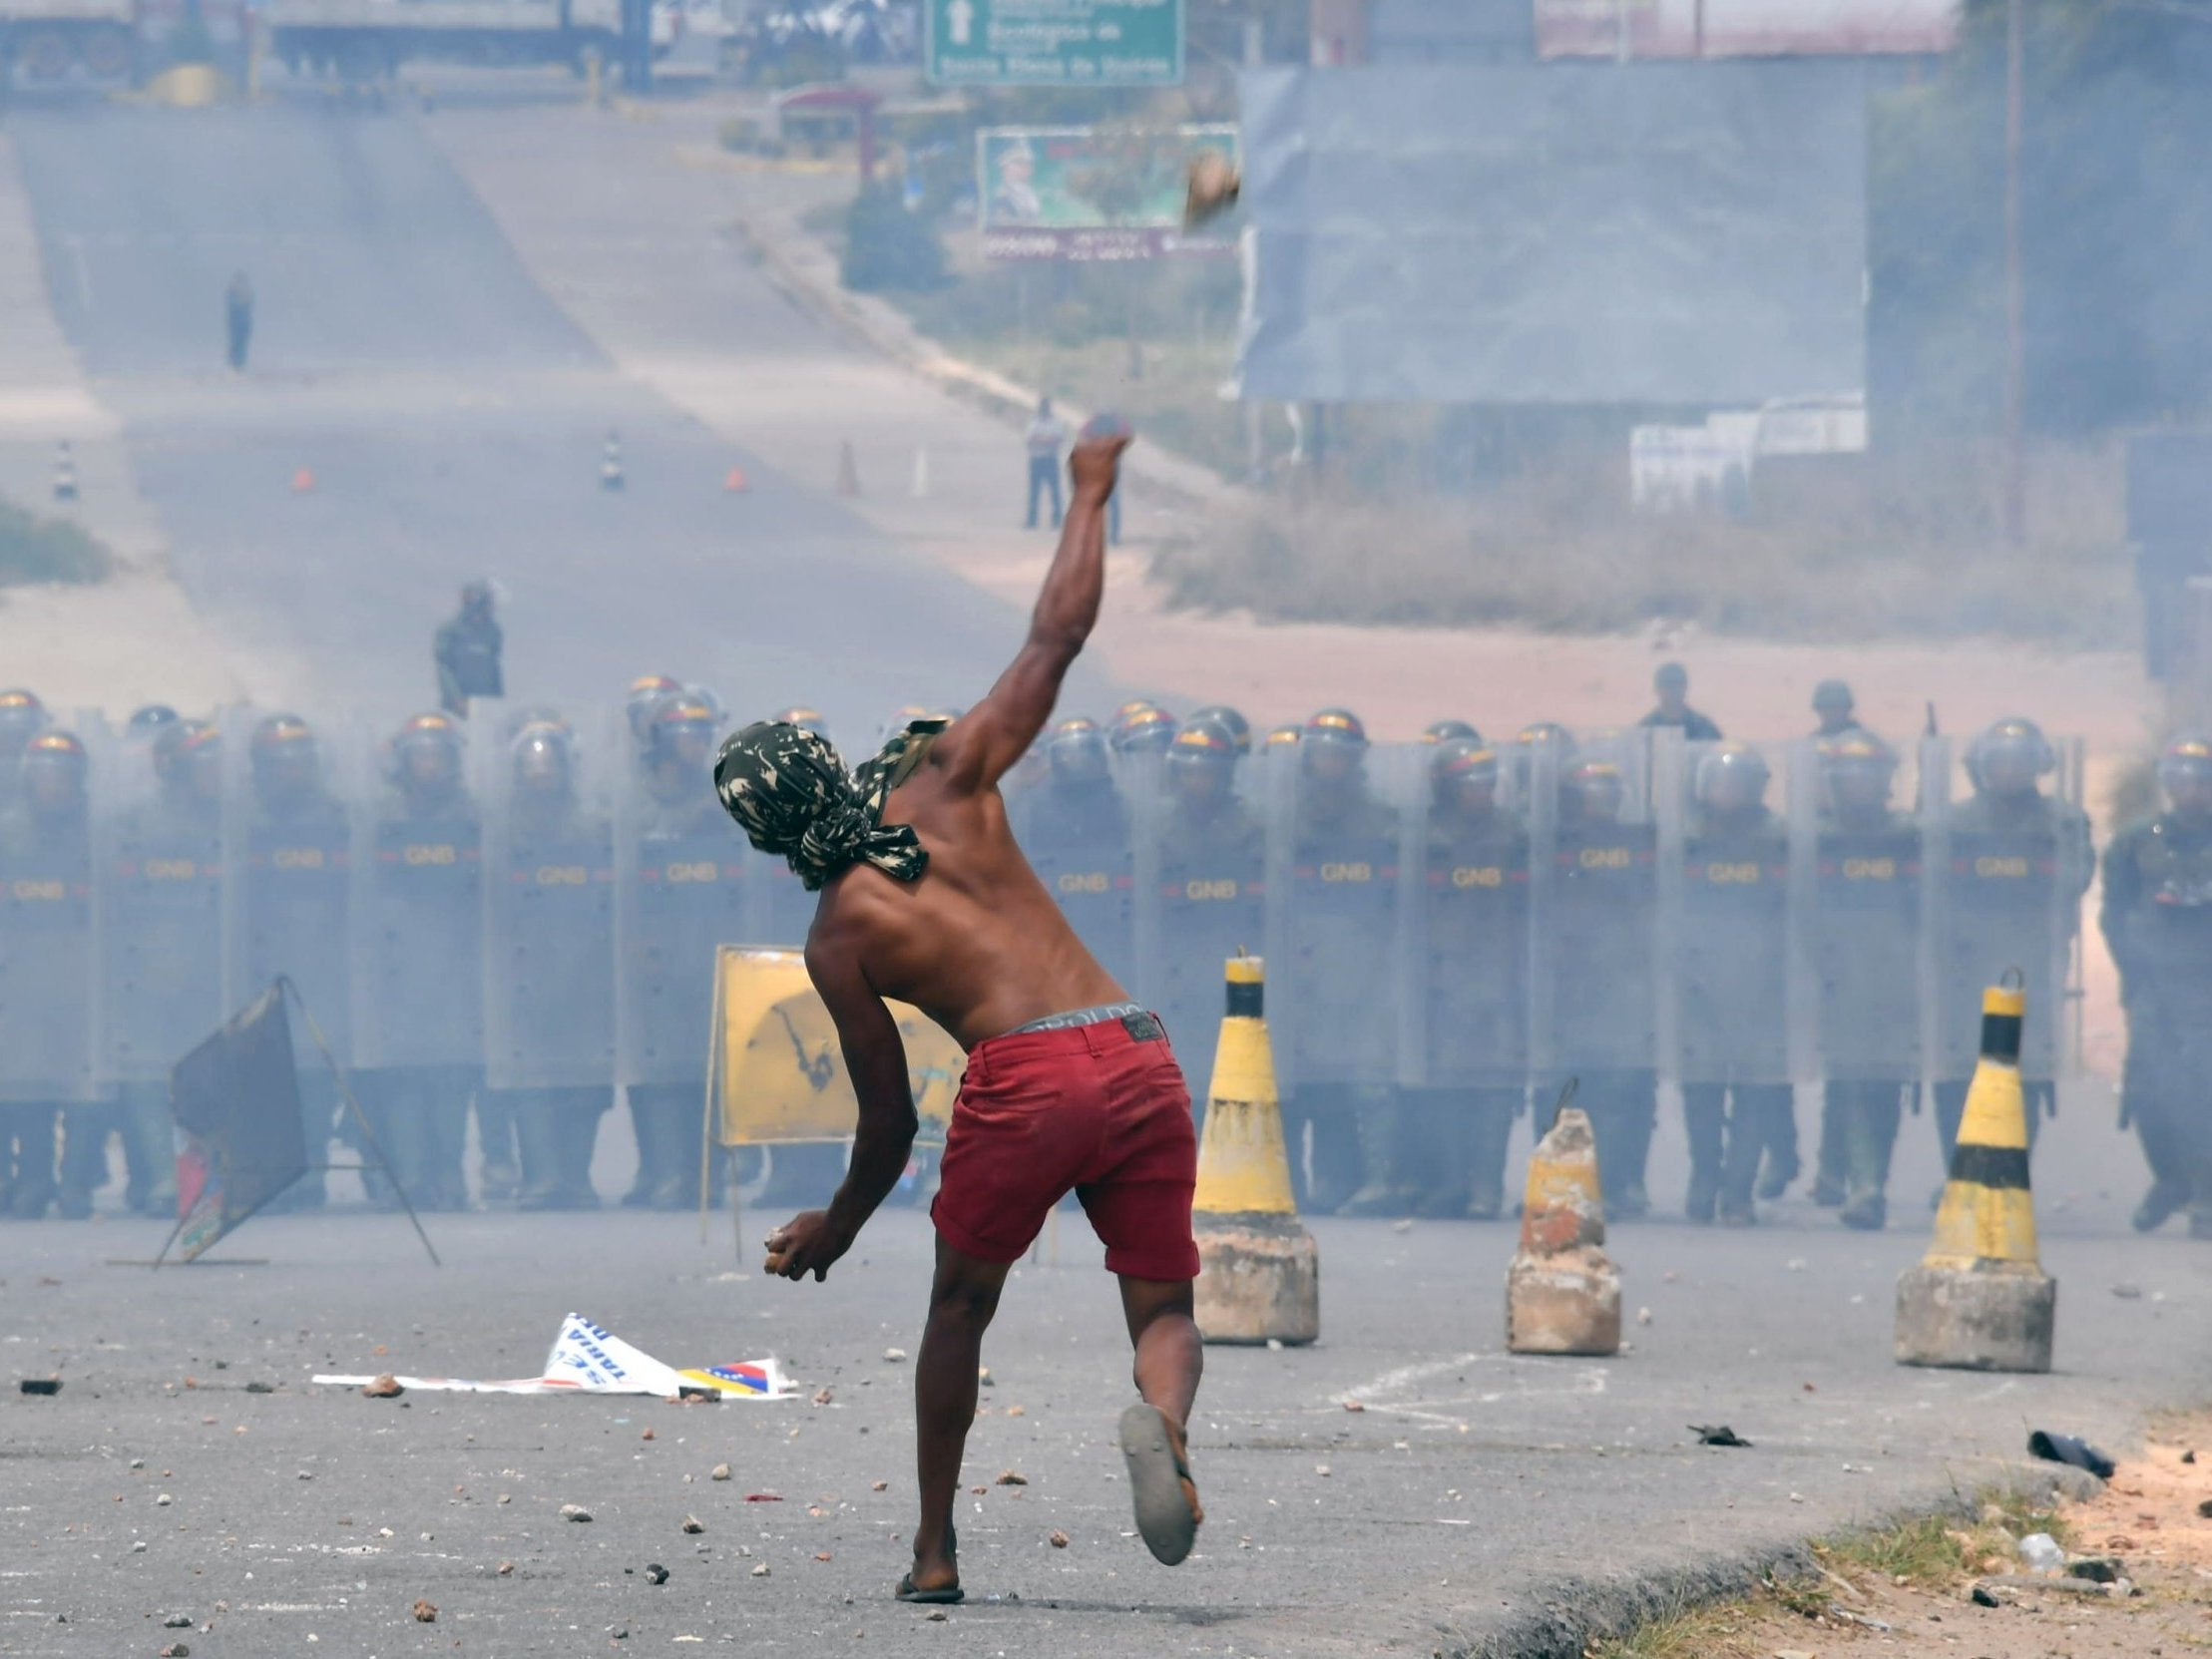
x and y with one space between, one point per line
775 1071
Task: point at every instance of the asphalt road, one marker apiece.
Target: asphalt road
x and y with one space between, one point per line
1475 1490
453 419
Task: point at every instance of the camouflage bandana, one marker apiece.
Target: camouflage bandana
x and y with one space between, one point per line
787 790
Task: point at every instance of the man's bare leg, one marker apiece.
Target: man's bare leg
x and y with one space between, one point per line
1169 1354
961 1299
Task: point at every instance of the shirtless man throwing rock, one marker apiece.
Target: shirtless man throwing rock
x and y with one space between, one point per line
1069 1086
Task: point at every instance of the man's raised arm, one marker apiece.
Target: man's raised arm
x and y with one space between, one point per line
984 744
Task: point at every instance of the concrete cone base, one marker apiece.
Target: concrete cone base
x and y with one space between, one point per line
1975 1320
1260 1279
1564 1303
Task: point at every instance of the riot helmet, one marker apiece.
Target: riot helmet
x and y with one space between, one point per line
1230 720
2185 774
1076 754
1450 731
1200 763
1464 776
544 760
1333 745
2006 759
1144 731
22 717
426 758
682 733
1596 792
54 766
287 761
1855 770
644 691
1732 777
804 718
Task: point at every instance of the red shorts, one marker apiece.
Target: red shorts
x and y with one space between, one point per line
1087 1109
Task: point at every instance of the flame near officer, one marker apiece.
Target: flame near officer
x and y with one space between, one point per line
925 897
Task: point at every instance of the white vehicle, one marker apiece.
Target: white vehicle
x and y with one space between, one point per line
368 40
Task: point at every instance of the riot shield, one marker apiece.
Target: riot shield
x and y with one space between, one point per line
1079 839
1597 918
50 931
1863 926
549 910
1539 784
417 920
1198 868
682 878
164 868
1335 835
1734 984
2010 881
295 910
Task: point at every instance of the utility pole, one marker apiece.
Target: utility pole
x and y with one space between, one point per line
2016 321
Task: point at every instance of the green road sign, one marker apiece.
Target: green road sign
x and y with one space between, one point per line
1056 43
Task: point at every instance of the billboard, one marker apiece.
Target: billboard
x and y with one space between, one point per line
1053 43
1743 28
1090 193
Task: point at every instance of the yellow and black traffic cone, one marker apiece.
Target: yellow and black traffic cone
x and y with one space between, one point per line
610 476
1979 1298
1562 1292
65 472
1259 1275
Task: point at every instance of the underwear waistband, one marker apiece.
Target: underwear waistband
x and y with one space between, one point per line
1098 1016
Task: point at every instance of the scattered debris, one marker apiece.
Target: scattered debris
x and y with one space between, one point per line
2098 1569
894 1355
1355 1406
506 1570
2069 1448
764 1497
41 1385
2040 1553
821 1555
1717 1433
656 1573
1016 1411
2205 1508
163 1500
177 1650
425 1613
879 1485
936 1616
2128 1293
647 1436
259 1387
575 1511
692 1524
1012 1478
1057 1538
1643 1315
984 1378
720 1471
1983 1598
2190 1456
1321 1469
760 1570
178 1621
385 1386
821 1396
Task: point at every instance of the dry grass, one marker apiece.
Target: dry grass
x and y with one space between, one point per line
1862 549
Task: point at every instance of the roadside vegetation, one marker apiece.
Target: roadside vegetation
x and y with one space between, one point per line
1926 1552
38 550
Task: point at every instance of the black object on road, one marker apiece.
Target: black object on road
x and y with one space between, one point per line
41 1385
2069 1448
1717 1433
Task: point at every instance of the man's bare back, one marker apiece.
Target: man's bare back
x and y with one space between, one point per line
926 899
976 944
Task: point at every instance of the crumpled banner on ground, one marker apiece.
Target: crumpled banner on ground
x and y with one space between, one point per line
590 1358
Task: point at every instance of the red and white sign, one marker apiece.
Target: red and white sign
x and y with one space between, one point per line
1743 28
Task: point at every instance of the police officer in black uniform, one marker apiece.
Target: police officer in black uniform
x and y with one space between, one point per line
2157 920
1473 968
1603 918
467 651
686 896
1733 972
1342 1038
2019 863
46 973
1866 948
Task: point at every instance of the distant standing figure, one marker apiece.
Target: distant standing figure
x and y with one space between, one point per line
1672 685
237 316
1047 437
468 650
1835 708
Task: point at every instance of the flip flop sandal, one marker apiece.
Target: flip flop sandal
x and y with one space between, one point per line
950 1595
1166 1499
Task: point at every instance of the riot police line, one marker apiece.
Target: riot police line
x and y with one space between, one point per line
511 920
1766 935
